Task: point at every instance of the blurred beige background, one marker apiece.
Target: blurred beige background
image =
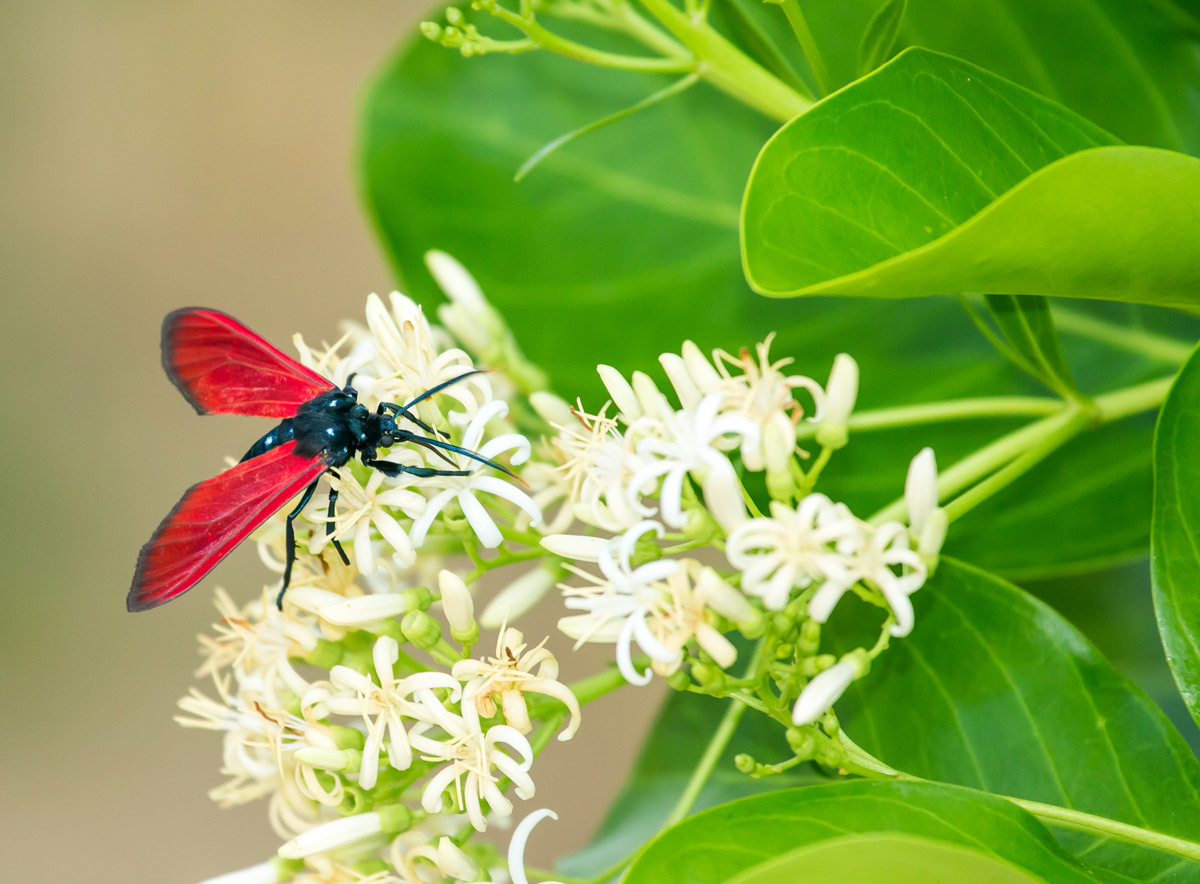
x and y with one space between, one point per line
155 155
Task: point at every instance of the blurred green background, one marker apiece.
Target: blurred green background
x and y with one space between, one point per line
156 155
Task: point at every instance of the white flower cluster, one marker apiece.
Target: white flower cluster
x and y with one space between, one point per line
657 472
378 745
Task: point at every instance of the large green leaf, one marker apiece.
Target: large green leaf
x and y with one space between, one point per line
1175 538
933 176
615 249
670 753
995 691
1130 66
908 833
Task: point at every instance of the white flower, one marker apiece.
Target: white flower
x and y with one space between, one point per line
841 394
410 853
465 488
403 342
617 602
333 835
927 522
361 506
877 563
510 674
763 394
468 315
384 707
682 614
599 464
795 549
516 847
457 604
257 641
685 442
823 691
471 754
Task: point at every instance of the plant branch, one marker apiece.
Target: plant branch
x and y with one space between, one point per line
726 67
941 412
1133 340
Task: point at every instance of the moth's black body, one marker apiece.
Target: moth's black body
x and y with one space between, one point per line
336 426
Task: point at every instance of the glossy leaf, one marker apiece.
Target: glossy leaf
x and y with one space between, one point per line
932 176
1175 537
995 691
879 39
626 235
669 755
1130 67
909 833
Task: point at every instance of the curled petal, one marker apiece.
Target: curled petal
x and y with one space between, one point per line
516 847
479 520
625 655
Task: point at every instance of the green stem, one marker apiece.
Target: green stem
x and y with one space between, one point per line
864 764
1073 422
561 45
795 17
1086 822
941 412
1045 435
1133 340
727 67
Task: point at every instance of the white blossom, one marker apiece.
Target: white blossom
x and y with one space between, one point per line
360 507
512 673
684 442
514 600
470 754
796 548
385 706
465 489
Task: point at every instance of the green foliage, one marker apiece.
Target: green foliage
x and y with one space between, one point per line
996 691
1129 67
932 176
1174 547
864 831
879 40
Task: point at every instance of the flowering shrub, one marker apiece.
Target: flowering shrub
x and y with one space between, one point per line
695 475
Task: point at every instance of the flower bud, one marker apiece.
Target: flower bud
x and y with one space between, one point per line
422 630
453 862
920 490
325 655
745 763
552 409
823 691
359 611
575 546
621 393
840 393
336 834
933 535
677 373
458 606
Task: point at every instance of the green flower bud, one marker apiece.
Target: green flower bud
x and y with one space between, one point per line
803 742
454 15
421 629
395 818
431 30
781 485
467 637
645 550
679 680
745 763
781 623
700 525
421 597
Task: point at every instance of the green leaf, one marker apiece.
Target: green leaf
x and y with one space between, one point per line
619 246
1028 328
909 833
995 691
1130 67
1175 535
669 754
932 176
880 37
